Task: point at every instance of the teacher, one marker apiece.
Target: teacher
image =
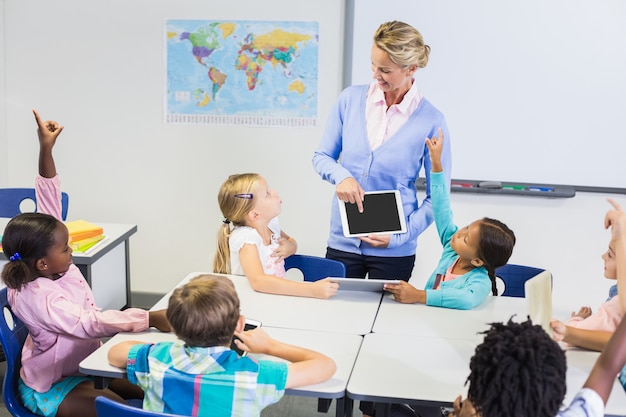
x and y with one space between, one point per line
379 132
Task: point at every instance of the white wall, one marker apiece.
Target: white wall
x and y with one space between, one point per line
98 69
100 73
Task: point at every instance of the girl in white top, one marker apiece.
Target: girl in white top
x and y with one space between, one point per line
256 246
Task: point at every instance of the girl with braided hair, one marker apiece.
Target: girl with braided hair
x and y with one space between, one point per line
466 272
518 370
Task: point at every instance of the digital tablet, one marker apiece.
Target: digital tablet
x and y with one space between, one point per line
361 284
382 214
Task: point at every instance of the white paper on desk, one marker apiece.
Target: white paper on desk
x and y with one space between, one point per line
538 291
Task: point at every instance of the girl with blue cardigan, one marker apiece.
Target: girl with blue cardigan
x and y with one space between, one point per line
466 272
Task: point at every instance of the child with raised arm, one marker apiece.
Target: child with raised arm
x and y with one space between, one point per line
50 295
466 272
200 375
519 370
593 330
256 246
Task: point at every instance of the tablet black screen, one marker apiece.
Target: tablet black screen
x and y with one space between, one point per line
380 214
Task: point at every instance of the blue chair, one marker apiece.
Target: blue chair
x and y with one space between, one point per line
106 407
514 277
314 268
12 336
11 198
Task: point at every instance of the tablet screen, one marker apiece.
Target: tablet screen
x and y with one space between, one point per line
382 214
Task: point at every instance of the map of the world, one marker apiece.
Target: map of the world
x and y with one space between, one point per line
242 72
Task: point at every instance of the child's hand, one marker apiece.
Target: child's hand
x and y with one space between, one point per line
584 312
616 220
286 248
463 408
404 292
435 145
559 330
158 319
324 288
47 131
254 341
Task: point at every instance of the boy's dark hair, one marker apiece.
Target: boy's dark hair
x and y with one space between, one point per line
495 247
518 370
204 312
30 235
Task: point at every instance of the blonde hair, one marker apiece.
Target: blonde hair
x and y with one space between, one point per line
236 201
403 43
205 311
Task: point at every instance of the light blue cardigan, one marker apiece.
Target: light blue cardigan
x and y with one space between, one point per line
470 289
395 165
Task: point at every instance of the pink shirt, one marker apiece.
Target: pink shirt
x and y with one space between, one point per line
64 323
607 317
382 123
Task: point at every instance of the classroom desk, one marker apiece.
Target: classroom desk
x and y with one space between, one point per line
343 348
422 320
431 371
106 266
350 312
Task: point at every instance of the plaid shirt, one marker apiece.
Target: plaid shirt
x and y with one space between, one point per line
200 381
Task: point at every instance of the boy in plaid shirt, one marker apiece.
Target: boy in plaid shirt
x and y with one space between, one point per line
200 375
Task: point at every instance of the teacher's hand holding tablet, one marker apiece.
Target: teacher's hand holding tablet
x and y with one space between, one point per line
378 241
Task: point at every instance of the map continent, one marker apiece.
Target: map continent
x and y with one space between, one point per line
242 72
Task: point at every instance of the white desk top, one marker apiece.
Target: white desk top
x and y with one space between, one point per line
350 312
343 348
114 233
422 320
433 370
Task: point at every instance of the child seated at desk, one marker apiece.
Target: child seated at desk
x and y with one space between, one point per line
466 272
519 370
593 330
256 246
200 374
51 297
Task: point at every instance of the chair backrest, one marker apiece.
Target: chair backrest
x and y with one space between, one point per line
11 199
106 407
514 276
12 336
314 268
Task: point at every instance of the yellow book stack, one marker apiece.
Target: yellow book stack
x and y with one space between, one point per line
83 235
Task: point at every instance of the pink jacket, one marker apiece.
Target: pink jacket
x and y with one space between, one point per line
607 317
64 324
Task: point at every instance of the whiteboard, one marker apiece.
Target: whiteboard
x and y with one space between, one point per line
532 90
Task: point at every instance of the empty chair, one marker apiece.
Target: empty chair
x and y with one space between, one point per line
314 268
514 276
12 335
109 408
12 198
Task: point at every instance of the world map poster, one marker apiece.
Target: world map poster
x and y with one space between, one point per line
257 73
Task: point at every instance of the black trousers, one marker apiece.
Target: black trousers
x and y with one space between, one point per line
377 267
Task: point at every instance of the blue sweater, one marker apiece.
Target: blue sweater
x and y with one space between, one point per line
470 289
395 165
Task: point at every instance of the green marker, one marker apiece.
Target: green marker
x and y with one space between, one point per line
513 187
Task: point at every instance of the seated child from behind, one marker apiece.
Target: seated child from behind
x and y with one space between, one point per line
200 374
